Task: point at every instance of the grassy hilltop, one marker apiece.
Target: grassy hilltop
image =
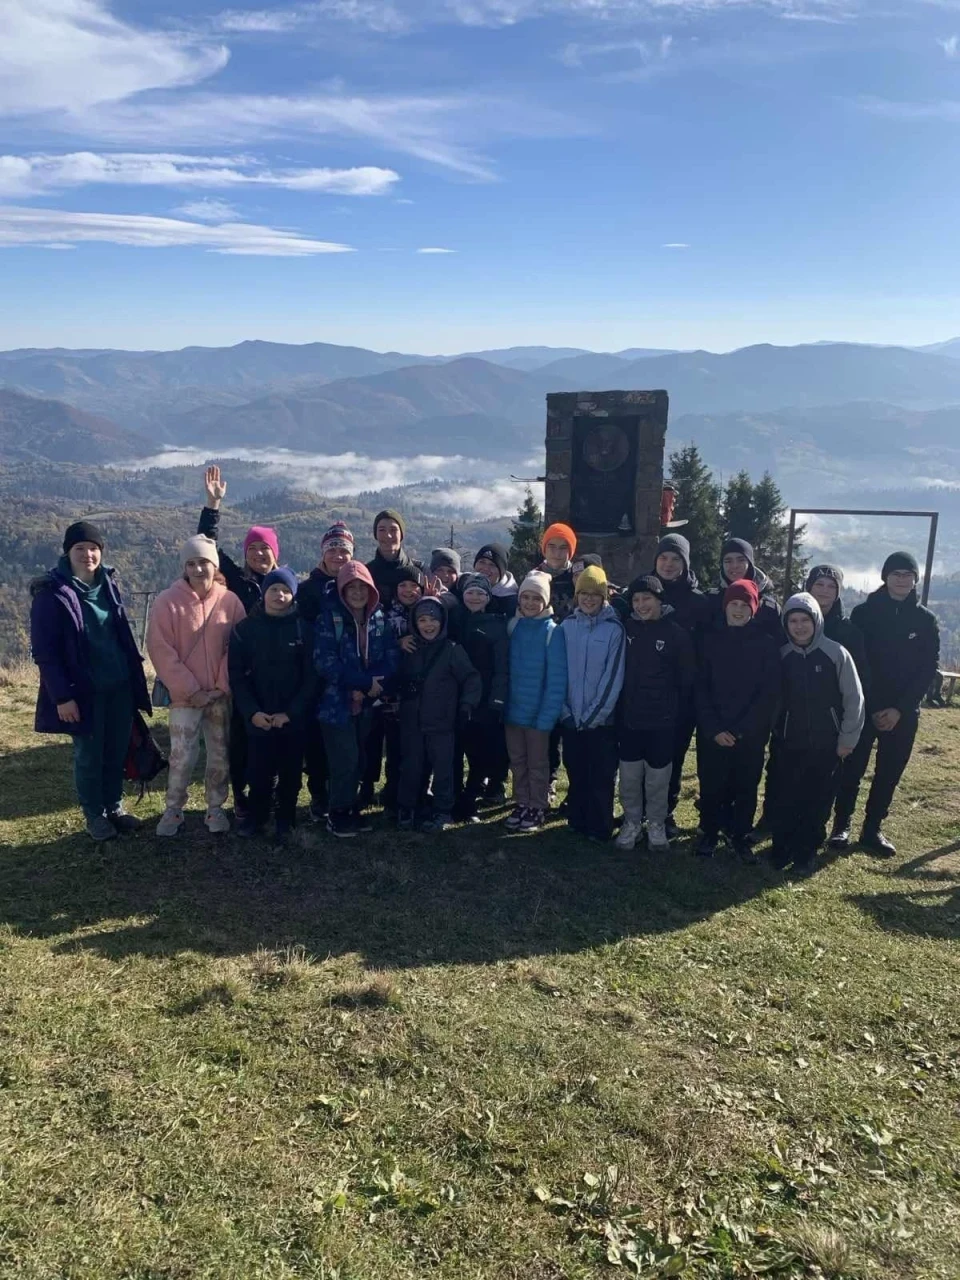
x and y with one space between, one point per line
472 1056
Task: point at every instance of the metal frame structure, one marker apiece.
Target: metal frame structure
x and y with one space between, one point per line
932 516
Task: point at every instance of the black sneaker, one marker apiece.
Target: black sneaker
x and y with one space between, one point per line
780 857
804 868
707 846
873 839
406 818
840 836
341 825
495 796
124 822
513 822
318 811
438 822
246 828
743 848
361 823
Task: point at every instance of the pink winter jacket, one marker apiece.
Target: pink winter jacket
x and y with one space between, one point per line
185 661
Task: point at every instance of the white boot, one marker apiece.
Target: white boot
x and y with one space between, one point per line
217 822
657 840
630 833
170 823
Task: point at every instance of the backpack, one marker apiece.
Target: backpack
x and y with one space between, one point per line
144 759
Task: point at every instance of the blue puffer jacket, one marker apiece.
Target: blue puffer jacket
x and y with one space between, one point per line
339 650
595 650
538 673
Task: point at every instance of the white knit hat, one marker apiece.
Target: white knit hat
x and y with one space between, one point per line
200 547
539 583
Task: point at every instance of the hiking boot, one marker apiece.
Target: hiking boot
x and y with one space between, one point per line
657 839
707 846
516 818
438 822
406 818
630 833
170 823
805 867
780 857
318 811
670 827
872 838
124 822
532 820
341 825
840 836
101 829
495 796
216 821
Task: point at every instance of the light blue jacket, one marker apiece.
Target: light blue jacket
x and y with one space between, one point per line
595 656
538 673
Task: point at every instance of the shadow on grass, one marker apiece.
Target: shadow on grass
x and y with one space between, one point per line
471 896
37 781
932 912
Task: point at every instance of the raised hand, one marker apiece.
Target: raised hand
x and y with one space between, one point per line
215 486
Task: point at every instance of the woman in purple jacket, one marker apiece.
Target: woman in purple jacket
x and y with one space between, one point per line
91 674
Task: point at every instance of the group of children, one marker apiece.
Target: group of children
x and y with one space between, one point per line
459 679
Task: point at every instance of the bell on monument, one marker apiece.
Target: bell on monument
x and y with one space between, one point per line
605 473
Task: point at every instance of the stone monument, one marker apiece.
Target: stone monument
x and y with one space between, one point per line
604 474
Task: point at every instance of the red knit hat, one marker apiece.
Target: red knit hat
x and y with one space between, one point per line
745 590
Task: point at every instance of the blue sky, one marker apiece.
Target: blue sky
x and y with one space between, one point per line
599 173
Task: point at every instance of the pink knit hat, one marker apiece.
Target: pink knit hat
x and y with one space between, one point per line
261 533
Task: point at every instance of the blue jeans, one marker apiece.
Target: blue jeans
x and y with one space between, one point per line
99 756
345 745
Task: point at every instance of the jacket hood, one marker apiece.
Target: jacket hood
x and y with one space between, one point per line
61 575
803 602
186 593
357 571
507 586
431 605
606 614
881 597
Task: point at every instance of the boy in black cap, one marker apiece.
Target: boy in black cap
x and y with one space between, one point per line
491 561
902 642
445 563
691 610
737 563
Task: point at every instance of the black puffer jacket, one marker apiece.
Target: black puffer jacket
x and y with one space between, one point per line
243 582
384 574
658 674
837 626
271 667
319 590
438 684
902 643
768 615
738 682
484 639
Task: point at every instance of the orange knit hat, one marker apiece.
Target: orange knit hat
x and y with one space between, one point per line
559 531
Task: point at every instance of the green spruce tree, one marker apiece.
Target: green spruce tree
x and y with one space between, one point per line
738 514
698 502
771 534
525 537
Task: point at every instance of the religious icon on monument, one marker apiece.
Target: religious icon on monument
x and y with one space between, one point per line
606 447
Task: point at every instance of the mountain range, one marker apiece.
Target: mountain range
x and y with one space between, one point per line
837 399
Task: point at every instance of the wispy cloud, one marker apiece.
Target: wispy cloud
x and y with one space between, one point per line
442 130
675 244
945 109
431 249
375 15
30 175
70 54
207 210
950 46
47 228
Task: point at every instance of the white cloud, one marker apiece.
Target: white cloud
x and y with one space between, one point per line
438 129
950 46
28 175
431 249
207 210
20 227
71 54
675 244
376 15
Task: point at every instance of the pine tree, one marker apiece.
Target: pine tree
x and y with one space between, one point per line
771 534
525 537
698 502
739 519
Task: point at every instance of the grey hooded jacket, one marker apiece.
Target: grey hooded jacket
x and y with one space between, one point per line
822 704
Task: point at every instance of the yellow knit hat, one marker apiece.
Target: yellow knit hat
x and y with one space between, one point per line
593 580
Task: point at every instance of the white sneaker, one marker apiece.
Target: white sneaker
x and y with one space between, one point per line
170 823
657 837
217 822
630 833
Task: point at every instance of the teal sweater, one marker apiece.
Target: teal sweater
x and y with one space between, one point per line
108 662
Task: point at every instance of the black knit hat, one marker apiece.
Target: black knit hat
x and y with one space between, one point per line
444 556
824 571
388 514
900 560
739 545
494 551
676 543
82 531
408 573
647 582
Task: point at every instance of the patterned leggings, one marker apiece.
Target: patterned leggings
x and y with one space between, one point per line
186 726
